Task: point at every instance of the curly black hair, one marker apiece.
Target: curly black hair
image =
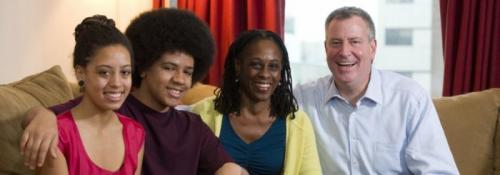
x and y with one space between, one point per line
94 33
161 31
228 96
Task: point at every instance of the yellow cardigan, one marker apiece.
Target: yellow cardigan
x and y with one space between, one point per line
301 155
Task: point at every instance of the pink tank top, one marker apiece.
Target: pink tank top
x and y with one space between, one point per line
77 159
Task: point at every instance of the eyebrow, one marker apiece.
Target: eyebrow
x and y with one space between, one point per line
103 66
349 38
175 64
108 66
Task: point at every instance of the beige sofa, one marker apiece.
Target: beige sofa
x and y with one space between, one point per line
470 120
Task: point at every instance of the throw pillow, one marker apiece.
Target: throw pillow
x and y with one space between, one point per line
47 88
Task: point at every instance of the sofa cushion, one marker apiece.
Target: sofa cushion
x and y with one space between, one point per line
470 124
198 92
46 89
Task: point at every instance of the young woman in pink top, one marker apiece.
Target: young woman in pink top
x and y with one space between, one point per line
93 139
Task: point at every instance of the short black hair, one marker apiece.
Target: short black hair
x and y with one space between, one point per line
94 33
348 12
228 96
166 30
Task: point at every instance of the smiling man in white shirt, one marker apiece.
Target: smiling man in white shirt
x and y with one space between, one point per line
369 121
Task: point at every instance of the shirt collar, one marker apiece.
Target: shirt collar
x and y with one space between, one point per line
332 91
373 92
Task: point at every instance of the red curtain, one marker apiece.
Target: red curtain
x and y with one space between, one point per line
160 4
228 18
471 45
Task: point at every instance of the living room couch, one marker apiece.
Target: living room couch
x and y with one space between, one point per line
470 121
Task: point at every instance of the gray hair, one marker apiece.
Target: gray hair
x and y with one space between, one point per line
348 12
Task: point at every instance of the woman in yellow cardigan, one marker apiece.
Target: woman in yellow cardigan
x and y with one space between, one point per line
255 114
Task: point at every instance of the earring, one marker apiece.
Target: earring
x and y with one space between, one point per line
236 80
81 83
279 83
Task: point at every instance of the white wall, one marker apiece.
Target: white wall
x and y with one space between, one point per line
37 34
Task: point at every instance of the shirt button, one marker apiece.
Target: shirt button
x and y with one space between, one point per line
355 163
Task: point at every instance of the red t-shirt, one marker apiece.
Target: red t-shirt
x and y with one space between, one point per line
71 145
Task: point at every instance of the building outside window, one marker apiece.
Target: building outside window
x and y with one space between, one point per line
399 37
399 1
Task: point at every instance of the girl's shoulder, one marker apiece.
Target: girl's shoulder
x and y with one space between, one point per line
128 122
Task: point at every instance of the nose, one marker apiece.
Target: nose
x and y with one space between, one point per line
345 50
179 77
115 80
265 72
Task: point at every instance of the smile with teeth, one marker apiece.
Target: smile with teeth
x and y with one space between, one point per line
113 96
263 86
174 92
346 63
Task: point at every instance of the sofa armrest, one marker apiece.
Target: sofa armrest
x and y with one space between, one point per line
470 124
197 93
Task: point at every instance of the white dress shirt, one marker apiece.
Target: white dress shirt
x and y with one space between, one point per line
393 128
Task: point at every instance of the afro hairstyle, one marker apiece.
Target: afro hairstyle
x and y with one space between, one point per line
161 31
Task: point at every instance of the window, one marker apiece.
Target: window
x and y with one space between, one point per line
289 23
399 1
402 37
408 32
405 73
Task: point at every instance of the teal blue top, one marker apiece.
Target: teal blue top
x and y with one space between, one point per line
262 156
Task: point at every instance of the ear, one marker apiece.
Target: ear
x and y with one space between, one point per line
324 45
373 49
79 73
